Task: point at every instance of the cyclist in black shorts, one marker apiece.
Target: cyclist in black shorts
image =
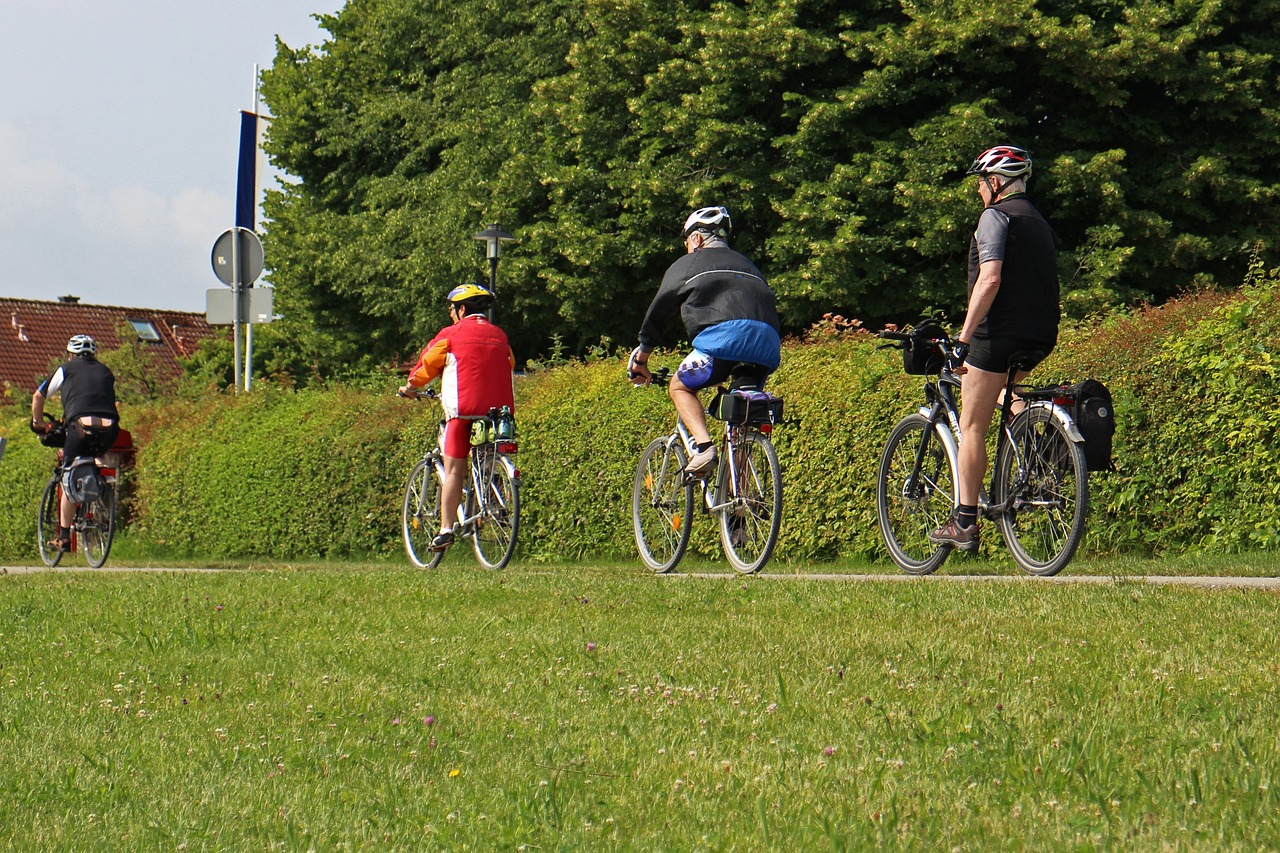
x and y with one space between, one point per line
1013 307
730 315
88 390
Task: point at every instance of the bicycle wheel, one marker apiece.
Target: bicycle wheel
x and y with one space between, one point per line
662 504
97 523
420 513
498 523
750 523
915 493
1041 473
47 522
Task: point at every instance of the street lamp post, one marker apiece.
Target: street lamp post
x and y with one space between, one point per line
493 237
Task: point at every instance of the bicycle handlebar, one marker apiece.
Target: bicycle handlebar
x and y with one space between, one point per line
413 394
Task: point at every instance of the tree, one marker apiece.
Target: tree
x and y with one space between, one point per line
837 134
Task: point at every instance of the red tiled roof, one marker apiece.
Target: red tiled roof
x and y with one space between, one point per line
34 335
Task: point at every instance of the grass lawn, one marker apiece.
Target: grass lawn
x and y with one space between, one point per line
577 707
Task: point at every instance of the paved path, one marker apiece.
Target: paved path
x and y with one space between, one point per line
1153 580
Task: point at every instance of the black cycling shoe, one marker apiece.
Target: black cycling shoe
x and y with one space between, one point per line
442 541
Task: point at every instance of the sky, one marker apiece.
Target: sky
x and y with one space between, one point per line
119 128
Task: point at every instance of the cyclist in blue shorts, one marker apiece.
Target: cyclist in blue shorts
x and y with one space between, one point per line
729 313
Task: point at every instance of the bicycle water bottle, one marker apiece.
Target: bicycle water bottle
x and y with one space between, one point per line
506 424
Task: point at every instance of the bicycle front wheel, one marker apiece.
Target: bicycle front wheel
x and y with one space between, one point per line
752 488
915 493
98 525
498 523
662 504
420 513
1041 476
47 523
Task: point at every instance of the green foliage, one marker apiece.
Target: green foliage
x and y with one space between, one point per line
25 469
836 133
310 473
276 473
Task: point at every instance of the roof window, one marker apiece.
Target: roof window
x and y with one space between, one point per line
146 330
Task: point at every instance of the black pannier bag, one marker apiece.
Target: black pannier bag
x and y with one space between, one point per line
1096 420
919 356
746 407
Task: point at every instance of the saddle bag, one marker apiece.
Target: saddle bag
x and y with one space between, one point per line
746 407
1096 420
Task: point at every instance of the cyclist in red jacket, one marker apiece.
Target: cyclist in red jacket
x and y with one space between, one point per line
475 363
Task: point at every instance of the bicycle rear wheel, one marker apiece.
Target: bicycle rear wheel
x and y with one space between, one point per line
752 486
498 524
97 523
914 499
662 504
420 512
47 522
1042 476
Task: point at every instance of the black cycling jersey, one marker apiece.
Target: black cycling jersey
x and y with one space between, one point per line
710 286
1026 305
87 386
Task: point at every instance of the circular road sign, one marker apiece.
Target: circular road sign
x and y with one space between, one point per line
250 257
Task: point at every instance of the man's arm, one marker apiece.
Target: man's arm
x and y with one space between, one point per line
37 408
984 293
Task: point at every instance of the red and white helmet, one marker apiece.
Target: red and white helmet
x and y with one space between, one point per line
1007 160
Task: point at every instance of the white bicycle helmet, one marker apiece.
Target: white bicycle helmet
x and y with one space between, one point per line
81 345
1007 160
711 219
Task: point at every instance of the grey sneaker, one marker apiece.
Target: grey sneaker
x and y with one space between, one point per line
702 462
951 533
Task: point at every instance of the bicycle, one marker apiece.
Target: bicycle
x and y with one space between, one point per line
94 527
489 514
1039 493
745 496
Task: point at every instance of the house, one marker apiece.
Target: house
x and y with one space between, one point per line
34 337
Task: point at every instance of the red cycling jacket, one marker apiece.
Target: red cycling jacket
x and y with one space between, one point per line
475 363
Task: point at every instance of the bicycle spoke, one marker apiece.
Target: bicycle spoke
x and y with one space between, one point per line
1041 475
661 505
751 487
915 494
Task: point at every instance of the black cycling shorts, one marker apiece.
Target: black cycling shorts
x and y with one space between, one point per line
88 441
992 354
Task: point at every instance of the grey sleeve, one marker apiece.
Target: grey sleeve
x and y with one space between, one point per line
991 233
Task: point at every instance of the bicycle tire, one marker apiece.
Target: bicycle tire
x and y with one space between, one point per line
1045 473
750 524
662 504
498 525
48 522
97 525
911 503
420 512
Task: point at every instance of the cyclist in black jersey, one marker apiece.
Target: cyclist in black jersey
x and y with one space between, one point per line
730 314
88 390
1013 307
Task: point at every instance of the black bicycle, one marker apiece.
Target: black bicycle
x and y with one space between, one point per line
94 526
1039 492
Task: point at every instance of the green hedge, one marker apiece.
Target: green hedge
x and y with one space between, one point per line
307 474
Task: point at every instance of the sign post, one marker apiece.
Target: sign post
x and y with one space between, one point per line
237 262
